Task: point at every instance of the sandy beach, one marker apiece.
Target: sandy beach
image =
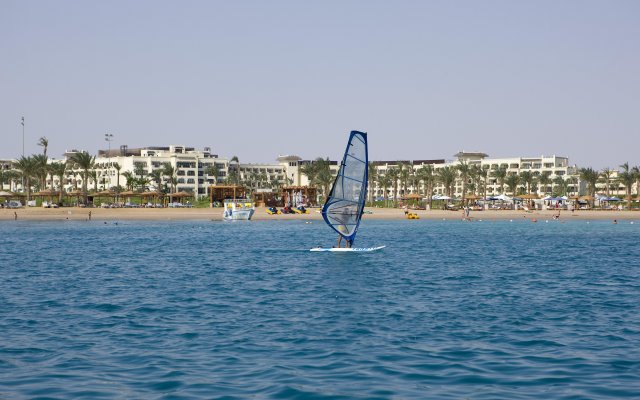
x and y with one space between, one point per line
215 214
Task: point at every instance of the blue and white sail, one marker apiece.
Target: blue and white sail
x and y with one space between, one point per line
345 204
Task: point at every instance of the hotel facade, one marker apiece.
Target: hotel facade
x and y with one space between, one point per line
196 170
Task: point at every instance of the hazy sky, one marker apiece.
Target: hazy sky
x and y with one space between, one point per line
256 79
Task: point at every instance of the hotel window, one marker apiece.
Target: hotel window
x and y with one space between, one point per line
191 180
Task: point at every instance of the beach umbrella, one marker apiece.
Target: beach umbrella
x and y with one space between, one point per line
504 197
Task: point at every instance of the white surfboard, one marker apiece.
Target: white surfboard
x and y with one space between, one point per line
348 249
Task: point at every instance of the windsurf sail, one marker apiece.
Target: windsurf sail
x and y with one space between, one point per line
345 203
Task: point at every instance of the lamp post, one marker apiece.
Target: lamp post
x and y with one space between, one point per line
108 137
22 136
22 151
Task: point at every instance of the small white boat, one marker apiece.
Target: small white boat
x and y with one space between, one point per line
238 209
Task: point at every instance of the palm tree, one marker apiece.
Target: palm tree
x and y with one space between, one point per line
323 175
561 185
403 176
234 167
117 167
591 177
131 179
427 176
212 170
42 169
85 162
483 174
500 174
372 173
44 142
636 173
512 182
605 177
309 169
447 176
464 170
59 170
392 174
545 181
93 174
528 179
384 181
170 172
626 178
28 168
572 182
156 175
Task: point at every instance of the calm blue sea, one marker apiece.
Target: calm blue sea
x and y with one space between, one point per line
190 310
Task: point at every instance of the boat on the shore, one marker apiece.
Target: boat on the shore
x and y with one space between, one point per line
238 209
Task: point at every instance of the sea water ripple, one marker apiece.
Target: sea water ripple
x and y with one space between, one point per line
234 310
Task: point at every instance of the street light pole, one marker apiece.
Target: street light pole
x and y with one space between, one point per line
23 136
22 150
109 137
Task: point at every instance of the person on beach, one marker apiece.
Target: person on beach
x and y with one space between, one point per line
15 216
89 215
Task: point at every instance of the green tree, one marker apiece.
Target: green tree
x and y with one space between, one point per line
44 142
428 177
545 181
117 167
384 181
172 178
212 170
156 176
85 162
393 173
130 178
500 175
404 172
447 177
59 169
324 177
561 185
28 168
93 174
234 170
464 171
483 174
512 181
591 178
527 178
372 176
606 176
42 169
627 179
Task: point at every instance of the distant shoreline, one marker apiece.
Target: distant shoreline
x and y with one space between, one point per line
215 214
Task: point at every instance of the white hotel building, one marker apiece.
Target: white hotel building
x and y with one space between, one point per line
196 169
